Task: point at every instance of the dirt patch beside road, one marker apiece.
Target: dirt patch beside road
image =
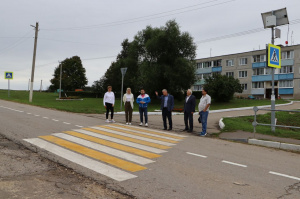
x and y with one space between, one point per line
24 174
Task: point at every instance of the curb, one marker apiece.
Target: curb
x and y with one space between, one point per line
276 145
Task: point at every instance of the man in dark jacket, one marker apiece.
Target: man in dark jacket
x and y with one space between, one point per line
189 109
167 105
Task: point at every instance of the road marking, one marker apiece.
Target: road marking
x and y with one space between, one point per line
284 175
55 120
128 166
134 136
202 156
19 111
152 130
66 123
236 164
114 145
127 138
149 135
120 141
29 113
46 117
37 115
105 149
82 160
79 126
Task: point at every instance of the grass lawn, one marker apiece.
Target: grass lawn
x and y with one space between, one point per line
283 118
95 105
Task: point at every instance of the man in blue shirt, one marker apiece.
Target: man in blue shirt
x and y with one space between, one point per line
167 105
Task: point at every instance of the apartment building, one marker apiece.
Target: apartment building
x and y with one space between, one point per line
254 75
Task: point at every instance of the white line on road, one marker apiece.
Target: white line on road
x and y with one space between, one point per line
66 123
79 126
46 117
284 175
29 113
202 156
236 164
55 120
37 115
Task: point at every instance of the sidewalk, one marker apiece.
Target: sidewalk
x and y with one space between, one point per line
155 121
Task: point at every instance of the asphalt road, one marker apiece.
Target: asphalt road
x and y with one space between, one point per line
196 167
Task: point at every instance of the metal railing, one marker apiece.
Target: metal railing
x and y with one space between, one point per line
255 123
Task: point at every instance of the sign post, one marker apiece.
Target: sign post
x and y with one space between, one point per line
8 76
123 71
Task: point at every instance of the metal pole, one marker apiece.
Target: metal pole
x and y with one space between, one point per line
273 92
122 91
33 61
28 84
60 80
8 88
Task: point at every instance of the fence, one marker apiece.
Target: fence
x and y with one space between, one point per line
255 123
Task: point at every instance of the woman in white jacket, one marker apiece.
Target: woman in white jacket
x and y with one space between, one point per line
128 100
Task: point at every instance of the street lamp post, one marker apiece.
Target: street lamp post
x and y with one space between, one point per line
123 71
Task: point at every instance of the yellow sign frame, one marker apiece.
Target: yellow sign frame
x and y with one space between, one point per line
12 75
271 49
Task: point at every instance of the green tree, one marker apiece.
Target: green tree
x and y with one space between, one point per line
157 58
73 75
222 88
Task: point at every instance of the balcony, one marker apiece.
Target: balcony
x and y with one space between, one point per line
204 70
266 78
200 82
258 91
217 69
287 62
259 65
286 91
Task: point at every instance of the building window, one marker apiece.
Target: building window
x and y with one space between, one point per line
217 63
286 83
257 84
230 74
199 77
207 64
206 75
197 87
287 55
259 58
243 61
286 69
258 71
242 74
268 71
230 62
244 86
199 65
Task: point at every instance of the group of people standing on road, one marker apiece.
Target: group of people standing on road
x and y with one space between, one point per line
167 105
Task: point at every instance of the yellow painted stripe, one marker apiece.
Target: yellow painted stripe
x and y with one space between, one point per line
128 166
114 145
138 134
159 146
147 131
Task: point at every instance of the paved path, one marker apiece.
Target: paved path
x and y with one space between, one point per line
149 163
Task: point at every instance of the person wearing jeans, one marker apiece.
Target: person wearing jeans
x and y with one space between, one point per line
143 100
203 107
128 100
109 103
167 105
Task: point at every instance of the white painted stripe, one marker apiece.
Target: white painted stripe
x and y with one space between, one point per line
236 164
105 149
66 123
202 156
174 134
134 136
29 113
19 111
124 142
37 115
46 117
284 175
79 126
82 160
145 133
55 120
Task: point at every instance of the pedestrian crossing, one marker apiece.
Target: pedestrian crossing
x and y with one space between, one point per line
114 150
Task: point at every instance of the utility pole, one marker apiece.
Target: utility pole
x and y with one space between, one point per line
60 79
41 87
33 60
123 71
28 84
273 92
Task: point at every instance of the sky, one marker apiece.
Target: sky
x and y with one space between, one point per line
94 30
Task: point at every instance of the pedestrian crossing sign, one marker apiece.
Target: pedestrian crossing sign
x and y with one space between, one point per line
274 56
8 75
